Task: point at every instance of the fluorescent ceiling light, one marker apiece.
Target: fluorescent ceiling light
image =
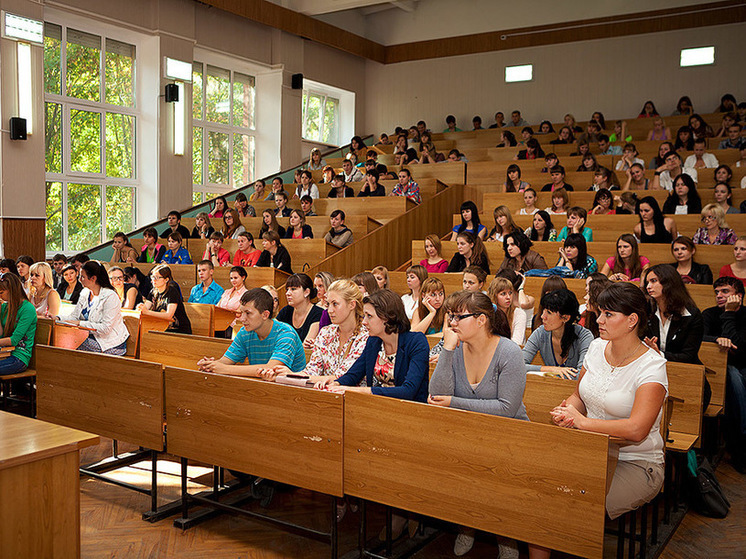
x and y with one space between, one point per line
25 100
697 57
523 73
179 121
23 28
178 70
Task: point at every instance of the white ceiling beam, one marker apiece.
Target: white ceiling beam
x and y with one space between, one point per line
318 7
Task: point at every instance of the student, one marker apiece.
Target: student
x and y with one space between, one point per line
583 149
469 221
654 227
723 195
550 160
230 299
371 186
725 325
339 235
684 198
620 132
529 199
518 254
451 124
470 252
269 223
660 132
700 159
504 224
675 325
70 287
139 280
259 193
684 139
176 254
366 282
281 201
513 182
434 263
242 206
100 308
340 189
576 220
41 290
428 318
545 127
683 250
636 178
560 202
588 164
627 264
594 285
603 178
479 370
476 123
605 148
561 342
383 140
315 162
473 279
574 260
262 343
629 158
321 282
202 227
499 120
663 150
507 139
127 293
558 180
621 391
151 251
715 230
207 291
300 312
18 322
381 273
274 254
663 178
517 119
306 205
214 251
175 226
247 254
58 263
502 295
219 207
684 106
564 136
165 302
533 151
394 362
306 186
734 139
298 228
603 203
123 250
415 275
277 186
407 187
351 173
724 174
629 203
737 269
542 228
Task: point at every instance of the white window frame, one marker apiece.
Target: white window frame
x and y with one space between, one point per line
345 116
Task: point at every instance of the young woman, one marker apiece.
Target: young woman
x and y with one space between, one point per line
298 228
416 275
552 283
636 178
715 230
504 224
176 254
70 287
165 301
232 226
41 290
683 250
519 256
409 157
469 221
559 340
729 119
664 149
247 254
564 136
473 279
542 228
684 106
230 300
675 327
152 251
381 273
723 195
513 182
17 325
470 252
300 312
357 145
660 132
214 251
371 186
8 266
684 139
594 285
321 282
603 203
627 264
648 110
621 391
737 269
723 174
123 249
588 164
570 122
478 370
274 254
699 128
139 280
315 162
366 282
430 313
529 199
501 293
100 308
260 191
727 104
603 178
269 223
306 186
127 293
507 139
220 205
533 151
560 202
202 227
684 198
574 256
434 263
654 227
407 187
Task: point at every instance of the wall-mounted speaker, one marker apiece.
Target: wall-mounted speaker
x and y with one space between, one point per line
297 81
172 93
17 128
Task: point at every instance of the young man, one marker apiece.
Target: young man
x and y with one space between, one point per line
262 343
666 173
207 291
58 264
339 235
517 120
340 189
499 120
451 123
351 174
558 180
576 219
734 140
476 123
422 128
175 226
701 159
281 201
725 324
605 146
79 259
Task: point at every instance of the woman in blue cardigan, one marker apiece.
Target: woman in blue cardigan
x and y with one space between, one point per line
394 362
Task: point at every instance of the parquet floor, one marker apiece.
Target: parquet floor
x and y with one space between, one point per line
111 525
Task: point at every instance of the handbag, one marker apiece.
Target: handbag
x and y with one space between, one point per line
705 494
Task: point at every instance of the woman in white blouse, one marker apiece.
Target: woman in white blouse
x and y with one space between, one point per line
621 391
100 308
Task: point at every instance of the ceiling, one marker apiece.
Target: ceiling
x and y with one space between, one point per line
364 7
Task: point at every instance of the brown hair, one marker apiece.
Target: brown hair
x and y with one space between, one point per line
384 271
479 303
389 308
496 286
431 285
12 284
228 231
635 269
367 280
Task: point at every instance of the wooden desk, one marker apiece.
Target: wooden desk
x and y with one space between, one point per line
40 488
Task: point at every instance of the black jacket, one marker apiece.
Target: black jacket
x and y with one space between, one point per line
732 325
280 261
684 336
700 273
62 287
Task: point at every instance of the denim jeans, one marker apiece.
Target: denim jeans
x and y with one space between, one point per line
12 365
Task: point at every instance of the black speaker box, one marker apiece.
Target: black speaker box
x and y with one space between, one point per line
297 81
172 93
17 128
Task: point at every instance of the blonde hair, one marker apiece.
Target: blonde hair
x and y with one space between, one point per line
384 271
502 284
205 216
435 241
718 213
350 292
46 272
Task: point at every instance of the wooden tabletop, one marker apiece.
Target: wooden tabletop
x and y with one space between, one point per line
24 440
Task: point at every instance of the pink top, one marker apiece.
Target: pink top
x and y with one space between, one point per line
727 271
217 213
643 262
231 298
437 268
224 257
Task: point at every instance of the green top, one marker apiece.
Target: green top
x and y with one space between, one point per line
23 334
613 138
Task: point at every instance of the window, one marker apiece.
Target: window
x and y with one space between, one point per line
223 112
523 73
90 127
320 118
701 56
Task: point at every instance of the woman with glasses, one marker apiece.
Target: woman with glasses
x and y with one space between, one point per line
714 230
165 302
127 292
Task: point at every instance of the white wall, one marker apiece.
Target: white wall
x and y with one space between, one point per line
614 76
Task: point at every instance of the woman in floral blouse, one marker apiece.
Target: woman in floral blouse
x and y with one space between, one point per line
714 230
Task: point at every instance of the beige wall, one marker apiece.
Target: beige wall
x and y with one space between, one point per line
614 76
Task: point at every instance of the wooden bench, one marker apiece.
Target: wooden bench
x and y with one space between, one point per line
180 350
319 224
377 207
715 360
535 469
201 317
183 274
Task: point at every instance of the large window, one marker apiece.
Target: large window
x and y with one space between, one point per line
223 112
320 118
90 126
